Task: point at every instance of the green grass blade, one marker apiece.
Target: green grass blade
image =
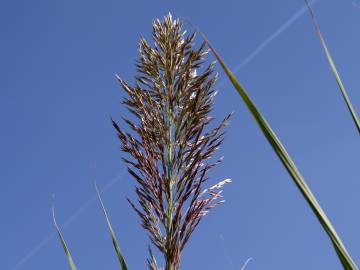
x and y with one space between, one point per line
63 243
333 68
287 161
113 236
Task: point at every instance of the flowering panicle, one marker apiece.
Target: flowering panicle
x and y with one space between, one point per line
171 143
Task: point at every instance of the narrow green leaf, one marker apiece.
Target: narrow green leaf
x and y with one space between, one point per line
113 236
287 161
63 243
333 68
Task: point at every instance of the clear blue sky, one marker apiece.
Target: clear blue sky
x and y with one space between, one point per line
57 90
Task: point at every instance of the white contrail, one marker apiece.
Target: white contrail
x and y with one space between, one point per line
71 219
271 38
31 253
242 64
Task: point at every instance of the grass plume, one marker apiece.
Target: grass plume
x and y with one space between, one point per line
171 143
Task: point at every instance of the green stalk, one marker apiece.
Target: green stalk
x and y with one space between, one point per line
290 166
334 69
169 264
170 171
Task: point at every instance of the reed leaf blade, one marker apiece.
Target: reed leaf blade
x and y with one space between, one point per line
333 68
289 164
63 243
112 232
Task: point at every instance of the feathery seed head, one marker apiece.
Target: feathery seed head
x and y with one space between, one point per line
171 143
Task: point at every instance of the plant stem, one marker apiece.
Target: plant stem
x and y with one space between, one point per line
170 259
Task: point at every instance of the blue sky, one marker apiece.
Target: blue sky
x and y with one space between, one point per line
57 90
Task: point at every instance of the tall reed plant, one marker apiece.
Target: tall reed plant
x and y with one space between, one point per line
172 140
